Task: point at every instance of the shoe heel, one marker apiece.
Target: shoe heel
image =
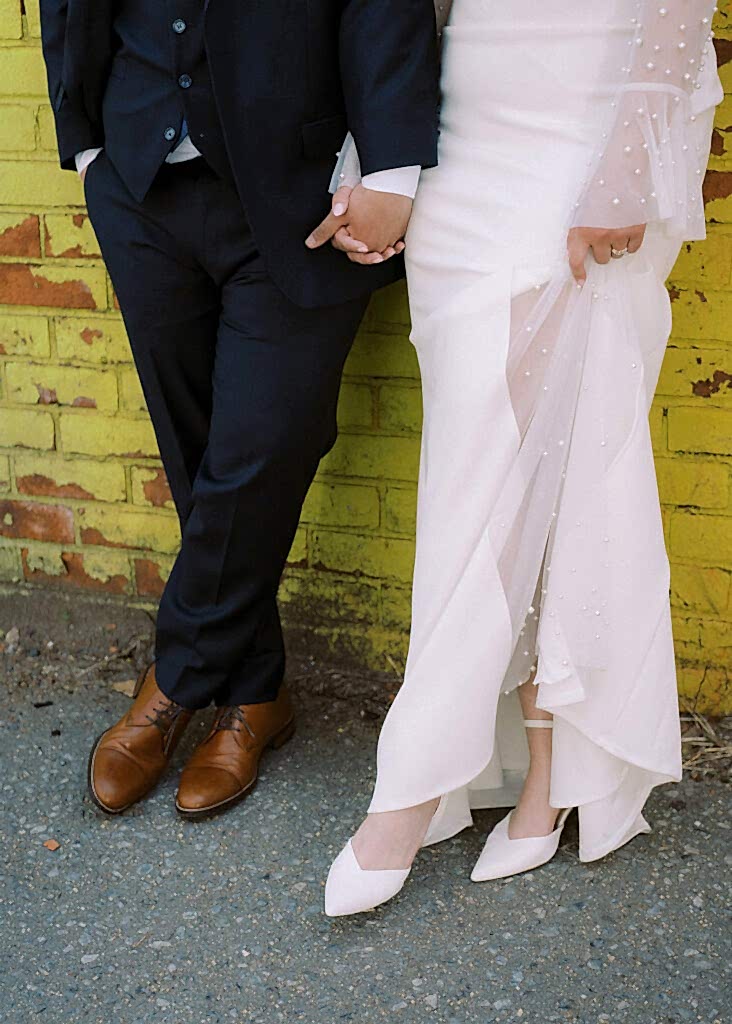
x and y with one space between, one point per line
283 736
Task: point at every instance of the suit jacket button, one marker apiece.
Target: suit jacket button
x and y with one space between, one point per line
170 134
179 26
185 81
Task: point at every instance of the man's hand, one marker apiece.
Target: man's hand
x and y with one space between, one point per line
378 219
603 242
367 225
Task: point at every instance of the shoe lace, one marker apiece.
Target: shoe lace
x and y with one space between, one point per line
231 719
164 717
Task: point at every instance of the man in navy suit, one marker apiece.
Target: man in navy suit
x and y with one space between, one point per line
206 131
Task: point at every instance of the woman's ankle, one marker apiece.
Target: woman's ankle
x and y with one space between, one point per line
391 839
537 785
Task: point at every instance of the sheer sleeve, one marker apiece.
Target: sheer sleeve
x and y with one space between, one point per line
442 13
347 170
650 169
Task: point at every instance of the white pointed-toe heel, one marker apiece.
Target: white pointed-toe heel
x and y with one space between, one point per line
502 856
352 890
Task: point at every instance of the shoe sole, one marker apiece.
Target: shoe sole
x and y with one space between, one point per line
200 813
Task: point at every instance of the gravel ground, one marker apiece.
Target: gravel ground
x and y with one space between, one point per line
146 918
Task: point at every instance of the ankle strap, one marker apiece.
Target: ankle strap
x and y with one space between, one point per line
538 723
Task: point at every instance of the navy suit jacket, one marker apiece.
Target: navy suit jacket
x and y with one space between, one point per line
290 77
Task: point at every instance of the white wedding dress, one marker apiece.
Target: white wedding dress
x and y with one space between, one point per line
539 534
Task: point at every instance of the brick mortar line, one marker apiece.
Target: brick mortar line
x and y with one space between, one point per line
67 262
137 416
124 508
686 459
721 404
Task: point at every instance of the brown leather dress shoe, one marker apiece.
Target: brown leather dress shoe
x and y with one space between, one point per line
129 759
223 768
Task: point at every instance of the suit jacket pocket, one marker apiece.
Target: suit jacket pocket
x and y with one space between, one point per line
321 139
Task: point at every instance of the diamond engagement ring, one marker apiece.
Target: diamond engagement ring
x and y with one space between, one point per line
617 254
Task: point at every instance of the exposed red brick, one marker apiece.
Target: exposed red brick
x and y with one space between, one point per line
20 285
89 334
90 535
157 490
717 185
36 522
148 581
49 396
718 141
74 576
21 239
724 50
36 483
712 386
74 252
46 396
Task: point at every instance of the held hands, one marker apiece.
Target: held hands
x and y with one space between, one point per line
368 226
606 244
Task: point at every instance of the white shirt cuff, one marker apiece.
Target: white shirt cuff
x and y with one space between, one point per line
402 181
84 158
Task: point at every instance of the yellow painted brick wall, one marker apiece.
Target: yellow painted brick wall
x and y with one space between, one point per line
84 503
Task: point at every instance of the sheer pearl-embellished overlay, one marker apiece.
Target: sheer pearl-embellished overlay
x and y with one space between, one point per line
539 537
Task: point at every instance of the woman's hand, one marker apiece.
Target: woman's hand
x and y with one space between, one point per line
603 242
340 222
